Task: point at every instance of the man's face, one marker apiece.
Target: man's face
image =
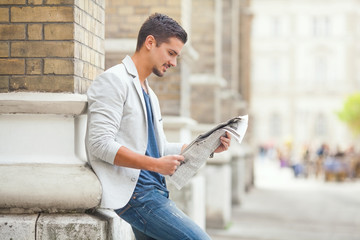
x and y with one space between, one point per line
165 55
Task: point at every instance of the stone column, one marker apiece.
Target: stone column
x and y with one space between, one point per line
218 191
50 50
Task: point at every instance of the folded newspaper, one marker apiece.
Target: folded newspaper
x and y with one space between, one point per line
199 150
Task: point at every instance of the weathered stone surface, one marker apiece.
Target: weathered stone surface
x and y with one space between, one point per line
71 226
18 226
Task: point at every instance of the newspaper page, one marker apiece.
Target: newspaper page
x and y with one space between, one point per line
199 150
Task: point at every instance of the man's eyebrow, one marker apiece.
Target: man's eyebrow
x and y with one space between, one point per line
176 53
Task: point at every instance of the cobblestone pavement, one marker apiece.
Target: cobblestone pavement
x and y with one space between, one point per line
281 207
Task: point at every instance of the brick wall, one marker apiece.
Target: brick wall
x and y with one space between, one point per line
50 45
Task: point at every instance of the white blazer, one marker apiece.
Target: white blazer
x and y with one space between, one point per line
117 117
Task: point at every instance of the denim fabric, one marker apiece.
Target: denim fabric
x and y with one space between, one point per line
153 216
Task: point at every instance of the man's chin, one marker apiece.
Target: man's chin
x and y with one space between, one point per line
157 72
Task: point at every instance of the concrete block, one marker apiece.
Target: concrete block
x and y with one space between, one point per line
238 179
218 191
71 227
18 227
118 229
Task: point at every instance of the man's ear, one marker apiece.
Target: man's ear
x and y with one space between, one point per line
150 42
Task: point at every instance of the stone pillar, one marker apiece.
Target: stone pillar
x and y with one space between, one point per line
50 50
218 191
241 170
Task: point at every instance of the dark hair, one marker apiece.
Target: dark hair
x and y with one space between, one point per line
162 28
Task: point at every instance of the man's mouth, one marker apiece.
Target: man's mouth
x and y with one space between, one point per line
166 66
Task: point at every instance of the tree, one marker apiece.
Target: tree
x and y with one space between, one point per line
350 114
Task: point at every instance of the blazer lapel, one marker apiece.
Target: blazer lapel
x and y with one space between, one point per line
138 88
130 67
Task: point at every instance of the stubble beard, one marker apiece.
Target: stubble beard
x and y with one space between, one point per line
157 72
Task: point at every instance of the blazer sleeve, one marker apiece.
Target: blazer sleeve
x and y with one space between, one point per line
106 97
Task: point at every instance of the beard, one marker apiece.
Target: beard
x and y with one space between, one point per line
157 72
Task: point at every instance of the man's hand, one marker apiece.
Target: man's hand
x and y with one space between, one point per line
167 165
225 143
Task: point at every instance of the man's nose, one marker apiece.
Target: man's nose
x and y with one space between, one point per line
173 62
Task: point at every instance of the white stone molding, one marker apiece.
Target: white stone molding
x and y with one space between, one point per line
43 103
120 44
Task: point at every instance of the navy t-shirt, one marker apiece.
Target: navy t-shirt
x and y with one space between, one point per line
148 179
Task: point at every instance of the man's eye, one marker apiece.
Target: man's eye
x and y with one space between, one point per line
171 53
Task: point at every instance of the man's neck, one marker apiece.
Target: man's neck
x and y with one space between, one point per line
142 67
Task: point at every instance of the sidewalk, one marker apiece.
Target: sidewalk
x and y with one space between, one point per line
281 207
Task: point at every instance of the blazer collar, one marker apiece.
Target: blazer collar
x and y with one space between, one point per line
130 66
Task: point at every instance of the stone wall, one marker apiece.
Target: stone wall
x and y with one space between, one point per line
50 45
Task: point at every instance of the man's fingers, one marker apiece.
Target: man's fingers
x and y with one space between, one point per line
179 158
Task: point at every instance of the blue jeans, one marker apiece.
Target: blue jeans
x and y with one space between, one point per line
153 216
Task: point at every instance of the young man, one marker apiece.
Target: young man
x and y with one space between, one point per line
125 141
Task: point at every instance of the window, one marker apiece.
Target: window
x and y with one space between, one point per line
320 125
275 25
321 26
275 125
320 70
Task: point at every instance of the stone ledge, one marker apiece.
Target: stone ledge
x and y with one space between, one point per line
48 188
43 103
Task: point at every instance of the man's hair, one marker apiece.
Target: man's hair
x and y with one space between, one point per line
162 28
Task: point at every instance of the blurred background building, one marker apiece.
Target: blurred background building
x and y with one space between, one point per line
305 62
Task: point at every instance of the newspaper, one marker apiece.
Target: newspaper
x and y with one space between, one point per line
199 150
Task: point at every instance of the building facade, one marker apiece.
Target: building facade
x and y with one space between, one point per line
305 61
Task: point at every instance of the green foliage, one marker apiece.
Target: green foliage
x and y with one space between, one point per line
350 114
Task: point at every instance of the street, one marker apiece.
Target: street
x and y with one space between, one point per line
281 207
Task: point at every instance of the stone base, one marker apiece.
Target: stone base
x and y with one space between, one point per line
53 226
18 226
31 188
218 191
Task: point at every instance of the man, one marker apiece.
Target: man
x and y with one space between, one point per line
125 141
